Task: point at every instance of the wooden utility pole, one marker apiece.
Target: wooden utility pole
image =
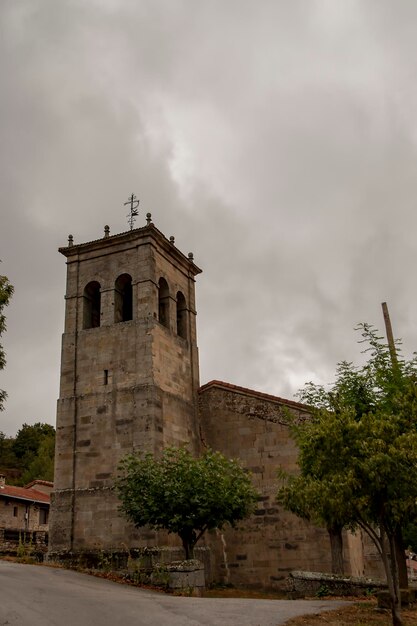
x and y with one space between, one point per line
390 336
399 542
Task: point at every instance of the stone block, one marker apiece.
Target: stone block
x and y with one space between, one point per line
408 597
186 574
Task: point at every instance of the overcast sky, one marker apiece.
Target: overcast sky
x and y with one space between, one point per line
277 140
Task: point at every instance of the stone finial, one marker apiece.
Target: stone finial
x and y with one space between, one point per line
191 257
172 239
70 240
148 218
107 231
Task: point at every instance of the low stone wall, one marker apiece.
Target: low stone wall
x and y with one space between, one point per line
138 564
32 543
301 584
108 560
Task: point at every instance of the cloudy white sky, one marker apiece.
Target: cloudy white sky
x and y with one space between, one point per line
277 140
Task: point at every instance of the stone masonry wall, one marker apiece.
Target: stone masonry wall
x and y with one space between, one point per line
252 427
8 519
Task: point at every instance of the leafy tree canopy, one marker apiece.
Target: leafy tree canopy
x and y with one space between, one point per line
358 454
355 470
377 384
183 494
29 455
29 438
7 456
410 536
6 291
42 465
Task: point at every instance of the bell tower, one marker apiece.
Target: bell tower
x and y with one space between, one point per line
129 376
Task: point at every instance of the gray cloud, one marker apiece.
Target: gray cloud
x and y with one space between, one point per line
276 140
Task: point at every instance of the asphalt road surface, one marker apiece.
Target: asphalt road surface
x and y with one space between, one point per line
32 595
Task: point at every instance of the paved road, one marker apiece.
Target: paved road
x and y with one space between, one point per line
31 595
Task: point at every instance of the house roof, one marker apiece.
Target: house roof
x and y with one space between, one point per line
251 392
45 483
21 493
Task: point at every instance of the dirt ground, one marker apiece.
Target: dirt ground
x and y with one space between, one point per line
359 614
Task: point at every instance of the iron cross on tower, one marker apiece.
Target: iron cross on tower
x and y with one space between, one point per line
134 203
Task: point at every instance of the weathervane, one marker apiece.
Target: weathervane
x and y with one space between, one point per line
134 203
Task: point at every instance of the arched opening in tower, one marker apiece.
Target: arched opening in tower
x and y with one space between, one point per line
123 302
92 305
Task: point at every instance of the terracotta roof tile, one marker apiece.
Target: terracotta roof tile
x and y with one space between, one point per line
46 483
21 493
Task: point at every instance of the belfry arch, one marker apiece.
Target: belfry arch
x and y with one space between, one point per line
163 302
123 300
181 315
92 305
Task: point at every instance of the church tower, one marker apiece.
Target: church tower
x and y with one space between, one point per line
129 376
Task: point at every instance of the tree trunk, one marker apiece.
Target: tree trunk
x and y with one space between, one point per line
389 559
186 547
396 604
401 561
336 546
188 542
391 571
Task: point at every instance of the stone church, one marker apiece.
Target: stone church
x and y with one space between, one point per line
130 382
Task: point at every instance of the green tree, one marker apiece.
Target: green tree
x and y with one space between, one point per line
6 291
183 494
42 465
7 456
34 447
29 455
28 439
379 385
358 454
410 536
